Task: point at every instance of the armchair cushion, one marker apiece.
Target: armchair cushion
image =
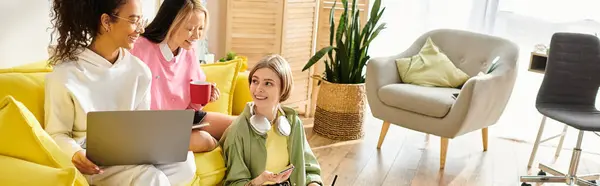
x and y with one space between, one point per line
430 67
430 101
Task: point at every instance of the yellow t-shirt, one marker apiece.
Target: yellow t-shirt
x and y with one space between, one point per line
278 157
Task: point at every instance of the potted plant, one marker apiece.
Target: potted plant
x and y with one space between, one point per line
230 56
341 99
233 56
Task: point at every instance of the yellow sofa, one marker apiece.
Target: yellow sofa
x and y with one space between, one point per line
22 89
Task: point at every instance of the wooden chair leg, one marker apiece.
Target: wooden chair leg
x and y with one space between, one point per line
484 136
537 142
384 129
560 142
443 151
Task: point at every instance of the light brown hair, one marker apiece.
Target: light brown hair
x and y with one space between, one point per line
171 16
282 68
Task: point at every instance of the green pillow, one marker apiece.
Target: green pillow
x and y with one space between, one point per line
430 67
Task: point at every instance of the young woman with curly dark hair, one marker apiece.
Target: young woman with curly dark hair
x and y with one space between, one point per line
93 71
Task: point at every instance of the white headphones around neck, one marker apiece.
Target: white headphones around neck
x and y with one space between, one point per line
262 125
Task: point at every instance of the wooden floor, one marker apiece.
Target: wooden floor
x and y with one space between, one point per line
412 158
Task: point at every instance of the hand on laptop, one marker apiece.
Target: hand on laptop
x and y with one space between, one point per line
84 165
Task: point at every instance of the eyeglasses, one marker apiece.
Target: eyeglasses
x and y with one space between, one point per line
140 23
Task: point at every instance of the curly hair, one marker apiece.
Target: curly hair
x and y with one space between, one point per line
77 23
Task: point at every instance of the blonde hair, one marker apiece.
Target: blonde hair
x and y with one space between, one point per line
282 68
184 14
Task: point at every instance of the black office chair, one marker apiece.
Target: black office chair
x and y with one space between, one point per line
568 95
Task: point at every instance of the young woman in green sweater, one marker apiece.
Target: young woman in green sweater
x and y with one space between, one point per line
267 138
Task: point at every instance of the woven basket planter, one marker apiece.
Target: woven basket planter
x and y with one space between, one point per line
340 110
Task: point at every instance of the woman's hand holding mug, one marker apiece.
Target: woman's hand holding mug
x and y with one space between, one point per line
215 93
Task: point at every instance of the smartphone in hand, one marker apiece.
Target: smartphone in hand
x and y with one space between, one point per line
289 167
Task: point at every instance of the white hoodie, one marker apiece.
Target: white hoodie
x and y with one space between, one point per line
92 83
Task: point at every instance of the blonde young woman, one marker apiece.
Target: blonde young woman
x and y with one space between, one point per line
93 71
267 138
167 47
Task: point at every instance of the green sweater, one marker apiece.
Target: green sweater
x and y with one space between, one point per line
245 152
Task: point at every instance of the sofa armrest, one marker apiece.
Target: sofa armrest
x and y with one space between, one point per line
383 71
485 97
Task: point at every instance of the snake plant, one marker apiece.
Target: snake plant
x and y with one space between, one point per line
348 57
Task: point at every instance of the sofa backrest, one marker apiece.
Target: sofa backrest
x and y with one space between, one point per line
26 84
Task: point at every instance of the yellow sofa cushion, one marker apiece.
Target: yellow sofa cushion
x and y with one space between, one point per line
22 137
242 93
210 168
20 172
224 75
430 67
28 88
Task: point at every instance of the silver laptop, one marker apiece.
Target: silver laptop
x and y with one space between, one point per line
138 137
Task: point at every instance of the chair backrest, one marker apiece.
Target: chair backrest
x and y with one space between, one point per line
572 73
471 52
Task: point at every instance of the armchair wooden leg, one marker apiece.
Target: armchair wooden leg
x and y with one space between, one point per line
443 151
484 136
384 129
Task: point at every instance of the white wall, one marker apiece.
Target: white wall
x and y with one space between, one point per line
216 30
23 34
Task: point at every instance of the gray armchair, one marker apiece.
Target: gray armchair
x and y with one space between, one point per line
434 110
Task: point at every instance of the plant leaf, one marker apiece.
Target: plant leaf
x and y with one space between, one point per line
314 59
331 23
342 23
359 73
373 20
375 10
342 57
331 31
374 35
356 49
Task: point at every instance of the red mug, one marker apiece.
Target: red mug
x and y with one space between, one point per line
200 92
